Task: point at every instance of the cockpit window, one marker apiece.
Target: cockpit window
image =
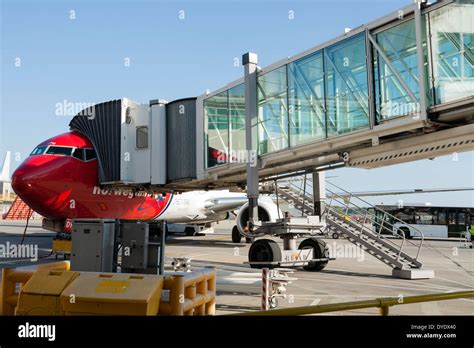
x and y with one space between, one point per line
59 150
90 154
38 151
79 154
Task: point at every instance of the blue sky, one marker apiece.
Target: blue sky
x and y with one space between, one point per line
82 60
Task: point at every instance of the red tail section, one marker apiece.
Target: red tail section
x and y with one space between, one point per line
19 210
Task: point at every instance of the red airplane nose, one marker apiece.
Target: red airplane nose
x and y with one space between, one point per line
36 182
22 181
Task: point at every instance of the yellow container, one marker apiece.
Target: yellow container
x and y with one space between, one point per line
41 294
62 246
112 294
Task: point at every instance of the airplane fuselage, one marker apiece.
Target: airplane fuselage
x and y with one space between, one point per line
59 180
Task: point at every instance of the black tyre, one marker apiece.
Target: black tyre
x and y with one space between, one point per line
320 250
404 232
264 250
189 231
236 237
335 235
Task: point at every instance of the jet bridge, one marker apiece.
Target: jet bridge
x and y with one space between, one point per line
398 89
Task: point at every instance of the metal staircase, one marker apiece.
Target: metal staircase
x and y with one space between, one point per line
19 210
294 193
388 252
361 223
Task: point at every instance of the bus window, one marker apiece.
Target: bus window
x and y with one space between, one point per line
452 218
469 217
462 218
442 217
406 215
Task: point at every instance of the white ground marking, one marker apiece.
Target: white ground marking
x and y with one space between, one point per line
452 281
432 288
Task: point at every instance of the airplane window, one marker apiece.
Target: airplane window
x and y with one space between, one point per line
59 150
79 154
90 154
38 151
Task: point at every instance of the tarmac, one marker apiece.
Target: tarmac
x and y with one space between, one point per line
352 276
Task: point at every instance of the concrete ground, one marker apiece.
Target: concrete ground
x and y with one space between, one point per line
351 277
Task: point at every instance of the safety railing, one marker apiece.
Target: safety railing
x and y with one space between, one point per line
383 304
302 188
191 293
343 205
300 185
14 279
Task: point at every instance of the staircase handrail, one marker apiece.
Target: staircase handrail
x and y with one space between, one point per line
346 201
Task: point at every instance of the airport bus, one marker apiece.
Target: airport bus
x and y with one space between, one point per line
433 221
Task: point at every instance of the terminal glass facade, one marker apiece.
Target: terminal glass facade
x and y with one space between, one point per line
307 111
346 86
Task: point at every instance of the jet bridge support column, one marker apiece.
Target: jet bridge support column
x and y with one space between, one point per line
249 61
319 192
420 58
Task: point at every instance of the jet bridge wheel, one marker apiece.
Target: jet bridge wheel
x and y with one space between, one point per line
320 250
264 250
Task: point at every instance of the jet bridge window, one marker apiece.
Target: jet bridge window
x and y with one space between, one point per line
306 99
346 86
216 126
59 150
272 111
452 51
142 137
398 45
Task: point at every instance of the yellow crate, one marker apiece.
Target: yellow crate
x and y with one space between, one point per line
41 294
112 294
62 246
